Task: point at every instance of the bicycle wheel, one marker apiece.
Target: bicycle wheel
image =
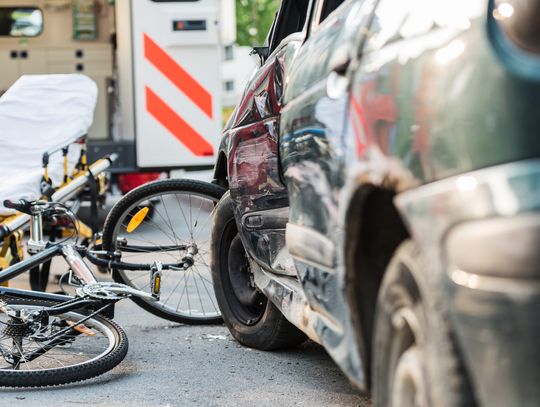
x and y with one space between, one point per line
180 221
29 357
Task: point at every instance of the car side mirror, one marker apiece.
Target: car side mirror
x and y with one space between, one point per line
262 52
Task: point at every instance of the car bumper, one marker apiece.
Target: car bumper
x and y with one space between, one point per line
499 334
481 233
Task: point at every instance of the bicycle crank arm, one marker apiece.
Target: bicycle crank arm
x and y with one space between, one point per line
112 291
134 292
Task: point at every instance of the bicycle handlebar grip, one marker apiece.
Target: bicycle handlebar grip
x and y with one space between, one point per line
21 205
9 204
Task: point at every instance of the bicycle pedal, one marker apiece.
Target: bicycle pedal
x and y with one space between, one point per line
155 279
81 328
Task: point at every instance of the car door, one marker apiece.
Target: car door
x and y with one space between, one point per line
312 151
416 102
260 197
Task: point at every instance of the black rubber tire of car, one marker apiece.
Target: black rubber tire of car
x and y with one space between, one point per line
162 186
271 330
68 374
415 357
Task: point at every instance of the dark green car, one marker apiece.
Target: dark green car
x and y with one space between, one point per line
408 198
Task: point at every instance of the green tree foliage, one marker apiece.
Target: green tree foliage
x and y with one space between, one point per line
253 19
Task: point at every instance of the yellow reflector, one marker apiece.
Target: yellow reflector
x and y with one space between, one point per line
157 285
137 219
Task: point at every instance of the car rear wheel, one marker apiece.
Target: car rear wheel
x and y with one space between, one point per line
415 359
251 318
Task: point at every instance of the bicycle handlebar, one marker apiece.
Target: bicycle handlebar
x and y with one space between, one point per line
22 205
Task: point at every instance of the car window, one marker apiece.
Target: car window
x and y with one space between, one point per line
20 21
291 18
271 31
327 7
337 33
321 10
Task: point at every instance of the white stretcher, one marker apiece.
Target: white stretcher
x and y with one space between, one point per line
41 114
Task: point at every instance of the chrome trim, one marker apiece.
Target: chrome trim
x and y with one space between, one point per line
36 242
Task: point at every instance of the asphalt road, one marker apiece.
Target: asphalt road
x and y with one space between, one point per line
180 365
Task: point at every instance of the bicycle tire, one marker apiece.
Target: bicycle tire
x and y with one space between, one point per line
124 208
115 353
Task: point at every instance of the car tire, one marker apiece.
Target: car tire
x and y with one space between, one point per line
251 318
415 358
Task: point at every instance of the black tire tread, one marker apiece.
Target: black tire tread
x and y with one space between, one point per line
273 331
286 335
70 374
457 385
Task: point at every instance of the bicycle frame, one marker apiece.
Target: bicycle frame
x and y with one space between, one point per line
75 262
71 257
107 293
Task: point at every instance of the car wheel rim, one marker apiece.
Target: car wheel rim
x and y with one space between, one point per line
247 303
409 388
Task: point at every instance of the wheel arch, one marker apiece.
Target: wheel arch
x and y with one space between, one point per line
220 170
374 229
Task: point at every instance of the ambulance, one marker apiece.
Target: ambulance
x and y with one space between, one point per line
157 65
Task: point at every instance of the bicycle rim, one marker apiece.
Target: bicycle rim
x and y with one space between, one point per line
94 347
174 221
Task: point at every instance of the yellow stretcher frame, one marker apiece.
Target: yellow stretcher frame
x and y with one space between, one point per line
12 227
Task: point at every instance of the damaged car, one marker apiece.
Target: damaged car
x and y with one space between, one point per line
383 197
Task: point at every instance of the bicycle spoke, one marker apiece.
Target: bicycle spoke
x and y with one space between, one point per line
185 223
169 218
198 214
190 219
183 215
199 295
182 294
156 227
172 292
209 296
205 224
